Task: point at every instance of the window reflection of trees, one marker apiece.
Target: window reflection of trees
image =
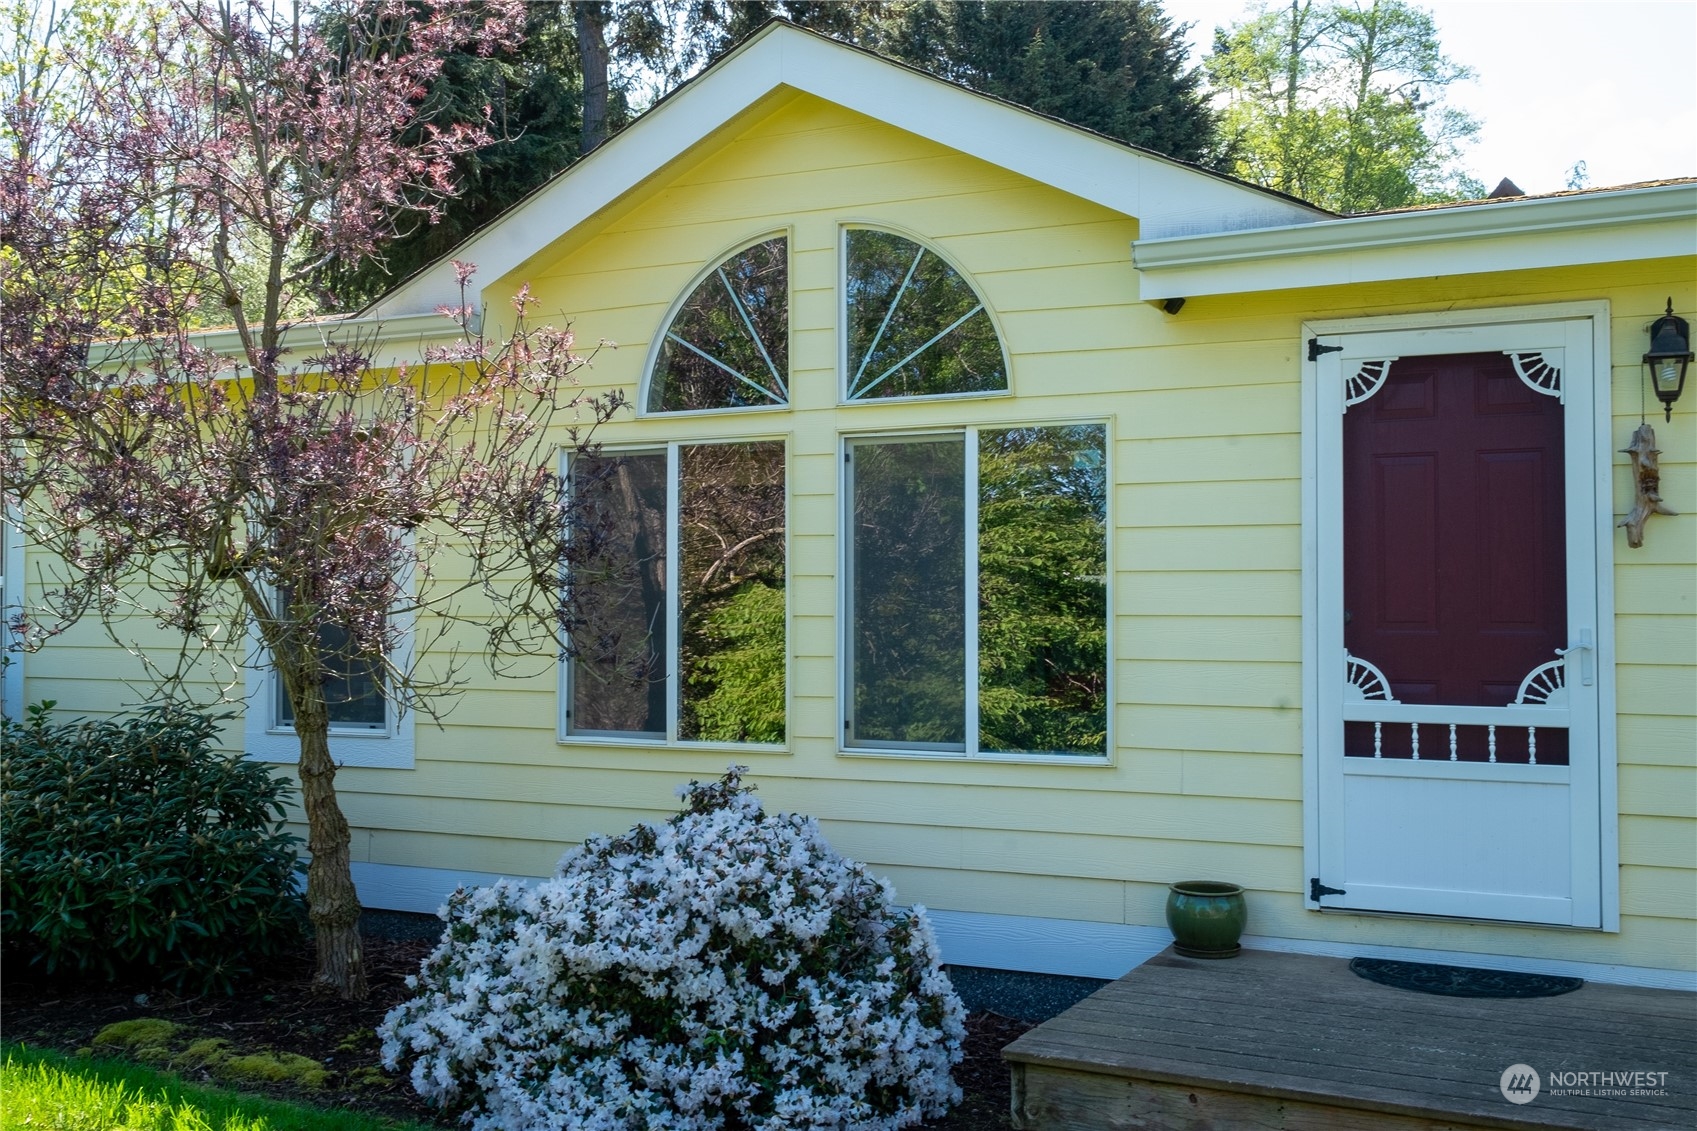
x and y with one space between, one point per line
1041 592
729 674
915 327
731 612
909 594
728 344
617 586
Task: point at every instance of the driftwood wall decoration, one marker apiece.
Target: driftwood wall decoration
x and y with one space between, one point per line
1647 485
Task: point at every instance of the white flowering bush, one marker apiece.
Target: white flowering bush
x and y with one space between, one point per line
725 969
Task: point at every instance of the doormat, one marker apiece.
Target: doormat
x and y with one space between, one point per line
1461 981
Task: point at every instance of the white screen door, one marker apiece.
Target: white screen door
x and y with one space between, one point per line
1455 619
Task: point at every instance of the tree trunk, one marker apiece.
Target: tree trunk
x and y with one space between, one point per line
331 900
592 62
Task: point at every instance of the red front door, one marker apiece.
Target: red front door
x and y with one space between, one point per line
1455 560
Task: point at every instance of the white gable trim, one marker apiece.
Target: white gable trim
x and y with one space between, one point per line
393 341
1562 231
1167 197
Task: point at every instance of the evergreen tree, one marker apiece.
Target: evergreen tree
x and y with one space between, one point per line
541 112
1116 67
1113 66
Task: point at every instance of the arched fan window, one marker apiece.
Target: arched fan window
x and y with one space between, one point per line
728 344
915 327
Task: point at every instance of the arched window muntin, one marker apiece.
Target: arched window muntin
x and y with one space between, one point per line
847 368
715 265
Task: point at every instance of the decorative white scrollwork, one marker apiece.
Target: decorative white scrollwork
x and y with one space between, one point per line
1545 685
1366 381
1538 372
1363 681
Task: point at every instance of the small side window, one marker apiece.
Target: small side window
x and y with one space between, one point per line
727 346
914 325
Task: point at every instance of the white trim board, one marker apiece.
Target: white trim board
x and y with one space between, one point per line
1167 197
12 570
1047 946
1603 227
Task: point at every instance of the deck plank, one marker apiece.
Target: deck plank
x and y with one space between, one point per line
1294 1041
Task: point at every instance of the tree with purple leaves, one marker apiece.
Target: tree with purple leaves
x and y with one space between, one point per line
269 494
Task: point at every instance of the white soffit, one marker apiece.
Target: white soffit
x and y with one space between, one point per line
1561 231
1167 198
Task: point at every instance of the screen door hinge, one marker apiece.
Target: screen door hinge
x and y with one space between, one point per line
1315 349
1316 889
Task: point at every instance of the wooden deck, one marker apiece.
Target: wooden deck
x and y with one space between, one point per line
1271 1041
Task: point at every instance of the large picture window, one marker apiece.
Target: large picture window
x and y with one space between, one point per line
677 591
977 592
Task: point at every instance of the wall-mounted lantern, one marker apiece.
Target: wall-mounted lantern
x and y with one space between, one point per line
1670 353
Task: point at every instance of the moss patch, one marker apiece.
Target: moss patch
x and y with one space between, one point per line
275 1068
370 1077
357 1040
137 1033
208 1052
157 1055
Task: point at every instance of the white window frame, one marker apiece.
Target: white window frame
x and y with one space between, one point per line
843 398
671 449
266 739
644 386
845 597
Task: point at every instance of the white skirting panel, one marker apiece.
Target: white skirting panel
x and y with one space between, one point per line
1045 946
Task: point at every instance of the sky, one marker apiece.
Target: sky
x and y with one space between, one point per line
1613 84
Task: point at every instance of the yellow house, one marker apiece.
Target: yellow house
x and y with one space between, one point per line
1055 521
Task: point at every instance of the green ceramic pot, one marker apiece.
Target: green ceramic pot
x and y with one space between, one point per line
1206 918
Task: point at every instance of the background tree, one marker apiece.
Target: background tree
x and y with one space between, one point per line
1340 102
1113 66
321 502
531 96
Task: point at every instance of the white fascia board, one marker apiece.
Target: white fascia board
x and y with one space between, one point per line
392 340
1646 223
1167 197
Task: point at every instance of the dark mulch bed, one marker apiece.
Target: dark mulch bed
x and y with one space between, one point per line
279 1013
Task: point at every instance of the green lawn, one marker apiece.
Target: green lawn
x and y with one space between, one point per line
48 1091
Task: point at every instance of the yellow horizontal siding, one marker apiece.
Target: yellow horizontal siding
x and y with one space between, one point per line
1244 502
1660 791
1656 740
1667 842
1205 425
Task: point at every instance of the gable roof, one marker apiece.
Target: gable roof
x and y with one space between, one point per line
1168 197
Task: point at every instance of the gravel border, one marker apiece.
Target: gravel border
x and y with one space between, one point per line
1011 993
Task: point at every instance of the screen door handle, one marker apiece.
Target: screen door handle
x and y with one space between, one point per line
1587 655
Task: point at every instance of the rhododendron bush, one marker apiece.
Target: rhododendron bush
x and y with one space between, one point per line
725 969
